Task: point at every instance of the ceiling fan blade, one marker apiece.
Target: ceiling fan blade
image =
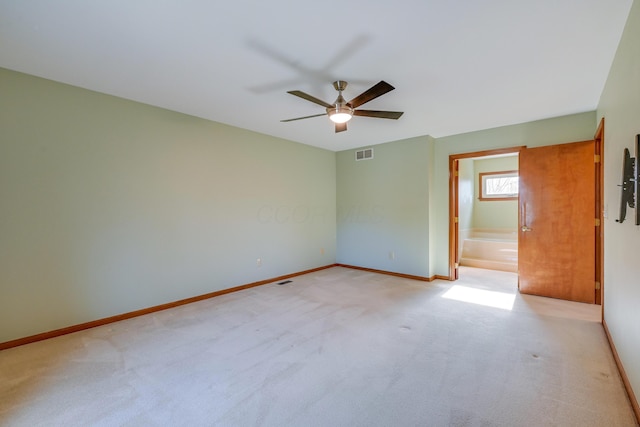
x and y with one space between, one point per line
341 127
310 98
371 93
395 115
305 117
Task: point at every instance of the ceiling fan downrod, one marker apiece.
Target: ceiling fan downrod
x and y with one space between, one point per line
340 111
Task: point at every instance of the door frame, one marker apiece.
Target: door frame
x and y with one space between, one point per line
599 212
453 200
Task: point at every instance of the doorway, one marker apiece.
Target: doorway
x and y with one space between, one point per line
456 215
488 212
460 223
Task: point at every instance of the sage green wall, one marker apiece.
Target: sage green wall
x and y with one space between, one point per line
383 207
466 202
494 213
620 106
559 130
110 206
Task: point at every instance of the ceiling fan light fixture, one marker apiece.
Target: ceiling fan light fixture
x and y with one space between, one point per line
340 114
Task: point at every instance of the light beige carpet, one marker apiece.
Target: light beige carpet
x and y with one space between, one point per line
338 347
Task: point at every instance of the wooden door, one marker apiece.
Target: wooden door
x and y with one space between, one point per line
454 229
556 241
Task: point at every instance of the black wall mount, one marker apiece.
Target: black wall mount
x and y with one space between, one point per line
637 177
630 180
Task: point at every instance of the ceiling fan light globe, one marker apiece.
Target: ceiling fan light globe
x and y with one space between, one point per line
340 117
340 113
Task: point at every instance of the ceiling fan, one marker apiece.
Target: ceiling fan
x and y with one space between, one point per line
340 112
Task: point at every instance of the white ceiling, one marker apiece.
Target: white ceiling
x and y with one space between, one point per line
457 65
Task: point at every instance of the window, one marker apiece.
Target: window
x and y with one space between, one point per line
499 185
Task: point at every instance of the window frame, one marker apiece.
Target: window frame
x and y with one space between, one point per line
481 186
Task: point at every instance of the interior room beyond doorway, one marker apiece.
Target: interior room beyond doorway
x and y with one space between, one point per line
488 223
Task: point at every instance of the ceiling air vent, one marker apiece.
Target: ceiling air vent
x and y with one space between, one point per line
364 154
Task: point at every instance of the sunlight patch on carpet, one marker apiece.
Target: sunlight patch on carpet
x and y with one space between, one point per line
480 296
